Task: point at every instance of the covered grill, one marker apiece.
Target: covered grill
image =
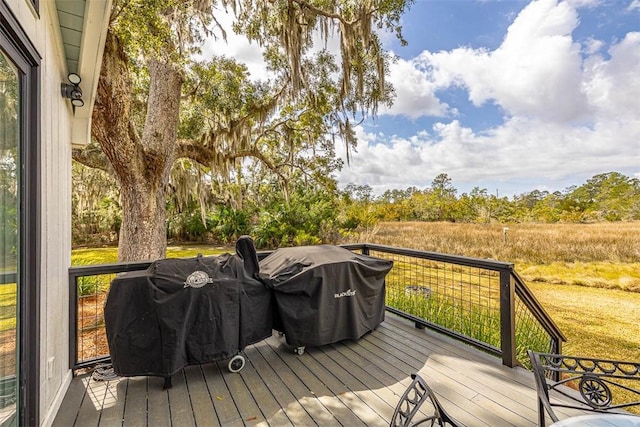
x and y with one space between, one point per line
324 294
187 311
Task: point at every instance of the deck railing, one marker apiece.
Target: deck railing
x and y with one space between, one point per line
483 303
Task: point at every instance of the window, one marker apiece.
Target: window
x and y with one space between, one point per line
19 225
9 213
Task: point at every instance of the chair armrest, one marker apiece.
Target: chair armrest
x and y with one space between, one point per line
596 385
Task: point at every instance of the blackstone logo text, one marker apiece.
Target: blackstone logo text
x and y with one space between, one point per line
349 293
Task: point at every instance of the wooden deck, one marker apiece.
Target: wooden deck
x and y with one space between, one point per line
352 383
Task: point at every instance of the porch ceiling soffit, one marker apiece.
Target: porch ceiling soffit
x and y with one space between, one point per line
83 27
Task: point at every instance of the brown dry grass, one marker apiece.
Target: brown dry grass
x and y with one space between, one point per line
603 255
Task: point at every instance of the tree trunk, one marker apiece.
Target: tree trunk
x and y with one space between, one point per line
143 230
141 163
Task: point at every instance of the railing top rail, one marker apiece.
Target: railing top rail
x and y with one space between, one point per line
79 270
95 269
9 277
527 297
488 264
436 256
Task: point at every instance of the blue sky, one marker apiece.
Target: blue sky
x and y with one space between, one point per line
510 96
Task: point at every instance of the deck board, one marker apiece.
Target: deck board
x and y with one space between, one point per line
222 402
243 397
378 409
70 406
135 406
351 383
158 413
258 387
96 392
204 412
290 408
113 405
298 389
319 389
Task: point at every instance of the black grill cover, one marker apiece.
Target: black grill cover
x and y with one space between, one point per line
160 320
325 293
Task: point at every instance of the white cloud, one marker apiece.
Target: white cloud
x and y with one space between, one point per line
592 46
237 47
634 5
535 72
569 113
613 86
583 3
415 93
521 150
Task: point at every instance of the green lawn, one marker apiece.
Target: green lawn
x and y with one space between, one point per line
7 306
93 256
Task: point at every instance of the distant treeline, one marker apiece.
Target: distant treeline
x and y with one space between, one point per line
605 197
313 214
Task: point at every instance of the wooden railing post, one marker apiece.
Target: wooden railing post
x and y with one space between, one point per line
507 319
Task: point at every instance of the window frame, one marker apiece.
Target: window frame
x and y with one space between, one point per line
18 47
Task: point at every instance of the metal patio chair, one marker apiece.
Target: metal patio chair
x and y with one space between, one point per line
584 383
411 405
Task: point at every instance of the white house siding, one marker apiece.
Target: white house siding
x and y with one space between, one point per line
56 218
56 117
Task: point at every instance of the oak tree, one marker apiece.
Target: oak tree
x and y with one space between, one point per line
149 75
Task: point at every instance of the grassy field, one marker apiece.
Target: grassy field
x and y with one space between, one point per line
587 276
605 255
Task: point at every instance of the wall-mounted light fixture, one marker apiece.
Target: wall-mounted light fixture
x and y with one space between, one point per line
73 91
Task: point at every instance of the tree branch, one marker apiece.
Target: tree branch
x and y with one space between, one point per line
194 150
93 157
253 152
318 11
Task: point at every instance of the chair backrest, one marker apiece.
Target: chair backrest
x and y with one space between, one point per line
411 405
597 385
